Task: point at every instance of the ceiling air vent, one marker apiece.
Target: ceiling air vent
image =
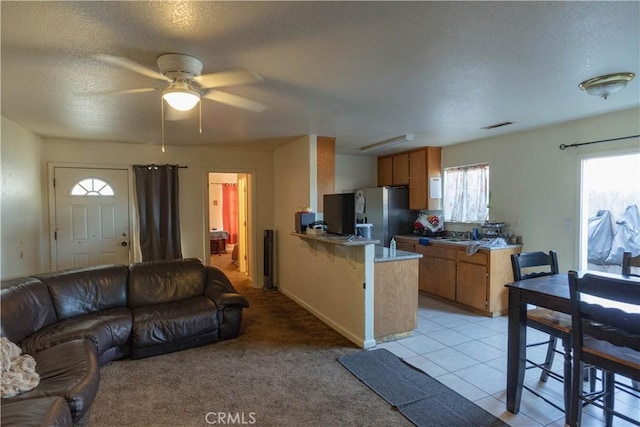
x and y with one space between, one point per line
497 125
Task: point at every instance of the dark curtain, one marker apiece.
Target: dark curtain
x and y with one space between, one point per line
157 194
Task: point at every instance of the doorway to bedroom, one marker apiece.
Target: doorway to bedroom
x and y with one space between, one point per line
228 222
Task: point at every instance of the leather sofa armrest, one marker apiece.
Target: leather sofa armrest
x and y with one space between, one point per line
229 300
220 290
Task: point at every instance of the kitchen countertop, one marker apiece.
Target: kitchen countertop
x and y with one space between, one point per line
338 240
383 255
446 242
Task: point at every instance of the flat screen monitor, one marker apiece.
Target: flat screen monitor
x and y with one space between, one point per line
340 213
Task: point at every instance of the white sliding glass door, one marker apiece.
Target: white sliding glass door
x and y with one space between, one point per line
610 219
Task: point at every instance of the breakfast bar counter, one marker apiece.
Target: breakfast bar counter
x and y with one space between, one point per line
395 294
358 288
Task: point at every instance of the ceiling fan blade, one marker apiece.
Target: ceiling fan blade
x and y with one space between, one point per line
227 78
172 114
130 65
121 92
235 100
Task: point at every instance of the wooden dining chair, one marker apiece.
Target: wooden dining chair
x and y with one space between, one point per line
557 325
606 334
629 261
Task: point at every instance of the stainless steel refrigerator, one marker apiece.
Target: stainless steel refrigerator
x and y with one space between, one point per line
387 208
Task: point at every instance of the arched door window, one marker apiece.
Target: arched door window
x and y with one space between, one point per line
91 187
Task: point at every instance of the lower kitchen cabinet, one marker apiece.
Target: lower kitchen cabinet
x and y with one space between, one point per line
475 281
395 298
405 246
437 276
471 285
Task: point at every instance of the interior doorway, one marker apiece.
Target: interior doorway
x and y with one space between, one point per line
228 222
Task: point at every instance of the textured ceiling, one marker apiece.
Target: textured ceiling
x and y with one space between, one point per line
360 71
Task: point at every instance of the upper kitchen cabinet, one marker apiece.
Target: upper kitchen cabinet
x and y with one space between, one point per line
414 168
393 170
401 169
385 171
424 163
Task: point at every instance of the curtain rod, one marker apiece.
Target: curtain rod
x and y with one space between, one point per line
564 146
153 165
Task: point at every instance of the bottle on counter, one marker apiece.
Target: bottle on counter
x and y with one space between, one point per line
392 247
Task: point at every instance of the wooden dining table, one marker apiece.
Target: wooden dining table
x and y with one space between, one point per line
550 292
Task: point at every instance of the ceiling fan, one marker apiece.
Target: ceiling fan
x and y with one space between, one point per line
185 85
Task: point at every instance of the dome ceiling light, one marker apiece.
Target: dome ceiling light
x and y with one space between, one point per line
604 86
181 97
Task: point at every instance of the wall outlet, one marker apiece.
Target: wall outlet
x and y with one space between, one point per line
568 224
516 223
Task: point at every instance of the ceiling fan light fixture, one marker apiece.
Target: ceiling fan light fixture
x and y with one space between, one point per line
603 86
181 97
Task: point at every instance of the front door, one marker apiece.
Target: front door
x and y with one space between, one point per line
91 217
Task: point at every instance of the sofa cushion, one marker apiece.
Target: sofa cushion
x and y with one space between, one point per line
26 308
42 412
105 329
173 321
157 282
69 370
87 290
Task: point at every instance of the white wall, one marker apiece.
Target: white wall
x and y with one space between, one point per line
193 180
355 172
537 184
325 279
22 243
295 186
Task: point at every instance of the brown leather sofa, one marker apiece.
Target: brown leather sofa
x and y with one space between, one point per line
74 321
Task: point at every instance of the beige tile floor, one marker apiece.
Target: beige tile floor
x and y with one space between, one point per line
468 353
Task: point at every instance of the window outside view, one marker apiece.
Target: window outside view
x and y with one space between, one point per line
466 193
610 216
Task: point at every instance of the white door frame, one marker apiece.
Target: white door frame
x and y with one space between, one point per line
133 232
252 248
243 221
582 215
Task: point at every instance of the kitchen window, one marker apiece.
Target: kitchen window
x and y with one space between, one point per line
466 193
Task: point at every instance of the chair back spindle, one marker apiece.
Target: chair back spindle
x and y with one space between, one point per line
527 260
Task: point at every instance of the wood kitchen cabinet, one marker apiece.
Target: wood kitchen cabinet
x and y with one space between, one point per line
424 163
471 284
395 298
480 279
473 281
385 171
403 245
401 169
393 170
437 271
413 168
